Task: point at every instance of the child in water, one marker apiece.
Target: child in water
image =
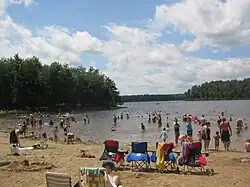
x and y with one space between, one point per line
167 126
217 141
142 127
245 124
164 135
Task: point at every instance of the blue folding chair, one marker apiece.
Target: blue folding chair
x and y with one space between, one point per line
139 156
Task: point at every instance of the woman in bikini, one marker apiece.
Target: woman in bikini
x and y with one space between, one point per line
226 132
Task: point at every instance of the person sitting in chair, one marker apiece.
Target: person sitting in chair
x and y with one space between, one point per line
112 180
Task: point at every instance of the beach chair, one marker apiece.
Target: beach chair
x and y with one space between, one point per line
139 156
58 179
92 177
112 152
193 161
164 157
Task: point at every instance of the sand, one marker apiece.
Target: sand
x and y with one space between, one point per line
28 170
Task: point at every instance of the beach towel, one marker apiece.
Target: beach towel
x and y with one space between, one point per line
160 155
93 177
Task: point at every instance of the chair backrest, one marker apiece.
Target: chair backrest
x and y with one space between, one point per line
58 179
92 177
168 147
139 147
195 149
111 146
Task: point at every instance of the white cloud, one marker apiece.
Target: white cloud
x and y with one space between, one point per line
190 46
219 24
5 3
25 2
52 43
137 60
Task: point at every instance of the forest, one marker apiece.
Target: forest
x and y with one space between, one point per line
147 97
26 83
220 90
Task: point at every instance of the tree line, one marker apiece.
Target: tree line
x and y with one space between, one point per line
220 90
147 97
214 90
26 83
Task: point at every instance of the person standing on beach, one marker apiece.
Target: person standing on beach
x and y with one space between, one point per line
217 141
207 137
55 132
14 137
176 130
226 132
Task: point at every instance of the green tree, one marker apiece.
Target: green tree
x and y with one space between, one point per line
27 83
220 90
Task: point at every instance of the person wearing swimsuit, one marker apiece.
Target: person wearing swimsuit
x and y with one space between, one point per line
226 132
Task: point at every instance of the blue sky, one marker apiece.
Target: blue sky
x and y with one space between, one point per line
173 24
91 15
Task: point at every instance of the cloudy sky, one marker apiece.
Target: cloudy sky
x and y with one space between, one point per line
146 46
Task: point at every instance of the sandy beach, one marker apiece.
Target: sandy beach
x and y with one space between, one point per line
61 157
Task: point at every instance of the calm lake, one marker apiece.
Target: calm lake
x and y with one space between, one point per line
129 130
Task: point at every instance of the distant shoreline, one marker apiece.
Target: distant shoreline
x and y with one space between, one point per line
5 113
189 100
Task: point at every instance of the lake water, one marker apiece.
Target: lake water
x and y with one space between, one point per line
129 130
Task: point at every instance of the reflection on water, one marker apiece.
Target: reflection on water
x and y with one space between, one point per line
130 130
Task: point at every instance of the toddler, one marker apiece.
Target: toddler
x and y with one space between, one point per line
199 136
217 141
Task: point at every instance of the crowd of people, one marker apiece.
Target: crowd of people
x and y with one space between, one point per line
222 134
203 135
35 121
